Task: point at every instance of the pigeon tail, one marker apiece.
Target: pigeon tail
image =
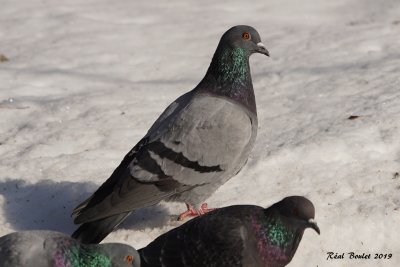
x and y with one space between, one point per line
94 232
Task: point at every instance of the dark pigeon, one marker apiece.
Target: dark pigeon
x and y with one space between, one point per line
235 236
53 249
198 143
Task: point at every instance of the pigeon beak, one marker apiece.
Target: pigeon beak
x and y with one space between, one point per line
313 224
261 49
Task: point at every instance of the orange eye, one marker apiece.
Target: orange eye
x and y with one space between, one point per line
246 36
129 259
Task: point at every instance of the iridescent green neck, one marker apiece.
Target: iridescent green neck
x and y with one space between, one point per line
76 256
278 234
229 76
231 65
277 242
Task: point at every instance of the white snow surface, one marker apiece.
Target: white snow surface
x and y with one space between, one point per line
86 79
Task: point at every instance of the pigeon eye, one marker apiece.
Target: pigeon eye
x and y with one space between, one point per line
129 259
246 36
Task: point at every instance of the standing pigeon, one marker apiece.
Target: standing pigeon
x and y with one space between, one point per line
199 142
235 236
53 249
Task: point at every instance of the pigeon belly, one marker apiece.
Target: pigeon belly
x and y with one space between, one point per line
219 133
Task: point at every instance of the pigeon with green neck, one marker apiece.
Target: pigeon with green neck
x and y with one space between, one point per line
197 144
235 236
54 249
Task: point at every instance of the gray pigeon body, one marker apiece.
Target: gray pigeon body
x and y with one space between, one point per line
53 249
235 236
199 142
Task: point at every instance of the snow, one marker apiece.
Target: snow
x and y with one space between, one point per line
85 80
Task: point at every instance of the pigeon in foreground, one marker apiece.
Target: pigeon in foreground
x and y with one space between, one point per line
199 142
235 236
54 249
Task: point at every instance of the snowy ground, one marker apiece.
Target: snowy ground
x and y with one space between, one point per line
86 78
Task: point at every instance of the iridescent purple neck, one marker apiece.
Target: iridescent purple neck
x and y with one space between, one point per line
276 243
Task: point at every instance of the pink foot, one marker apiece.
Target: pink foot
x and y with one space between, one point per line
192 212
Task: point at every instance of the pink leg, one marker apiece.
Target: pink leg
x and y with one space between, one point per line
192 212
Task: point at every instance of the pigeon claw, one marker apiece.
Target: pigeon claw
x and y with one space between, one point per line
192 212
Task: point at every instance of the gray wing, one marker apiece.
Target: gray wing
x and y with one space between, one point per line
8 253
26 248
186 147
209 139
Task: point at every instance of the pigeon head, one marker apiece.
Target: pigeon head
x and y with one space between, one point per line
121 255
298 209
229 72
243 37
230 64
280 229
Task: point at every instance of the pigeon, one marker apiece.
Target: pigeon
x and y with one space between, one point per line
199 142
235 236
53 249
